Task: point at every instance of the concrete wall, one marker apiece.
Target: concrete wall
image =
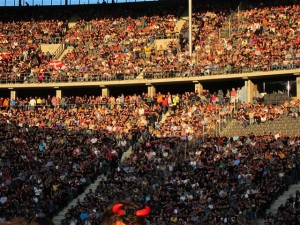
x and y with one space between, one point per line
49 47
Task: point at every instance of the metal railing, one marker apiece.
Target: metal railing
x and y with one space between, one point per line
48 3
221 70
25 106
89 76
52 40
228 27
58 77
59 51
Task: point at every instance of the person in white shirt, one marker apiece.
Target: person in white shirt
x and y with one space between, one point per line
32 103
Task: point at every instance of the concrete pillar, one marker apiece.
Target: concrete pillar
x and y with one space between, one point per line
248 91
13 94
251 90
151 90
298 87
105 92
198 88
58 94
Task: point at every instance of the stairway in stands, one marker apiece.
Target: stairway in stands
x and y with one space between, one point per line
286 125
179 24
61 215
281 200
164 42
66 51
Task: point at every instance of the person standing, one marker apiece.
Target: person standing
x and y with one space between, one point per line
32 103
233 96
220 97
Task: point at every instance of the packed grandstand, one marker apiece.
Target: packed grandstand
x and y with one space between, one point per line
114 44
207 157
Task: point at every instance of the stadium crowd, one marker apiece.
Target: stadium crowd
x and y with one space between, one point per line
58 151
260 39
52 148
222 180
115 44
21 38
62 145
288 213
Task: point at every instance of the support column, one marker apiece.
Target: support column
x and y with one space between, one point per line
105 92
13 94
58 94
198 88
298 87
251 91
151 90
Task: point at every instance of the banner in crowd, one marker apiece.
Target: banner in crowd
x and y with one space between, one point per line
55 64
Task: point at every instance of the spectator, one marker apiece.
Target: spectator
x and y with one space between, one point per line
125 213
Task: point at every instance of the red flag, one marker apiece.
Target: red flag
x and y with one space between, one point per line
55 64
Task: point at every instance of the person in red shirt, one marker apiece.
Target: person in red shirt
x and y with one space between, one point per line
214 98
233 95
165 105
